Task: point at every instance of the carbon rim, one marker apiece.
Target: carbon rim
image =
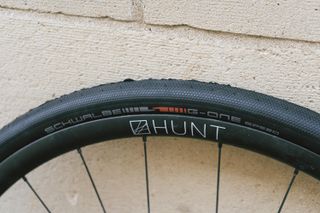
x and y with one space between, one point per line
62 141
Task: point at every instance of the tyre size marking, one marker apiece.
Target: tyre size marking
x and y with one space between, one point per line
178 128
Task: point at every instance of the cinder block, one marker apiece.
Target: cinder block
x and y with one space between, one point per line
118 9
291 19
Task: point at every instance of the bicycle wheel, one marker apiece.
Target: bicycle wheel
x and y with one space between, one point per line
218 113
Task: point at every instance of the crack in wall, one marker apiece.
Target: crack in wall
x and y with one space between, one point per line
232 33
138 17
63 13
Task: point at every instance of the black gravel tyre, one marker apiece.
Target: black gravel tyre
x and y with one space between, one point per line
208 111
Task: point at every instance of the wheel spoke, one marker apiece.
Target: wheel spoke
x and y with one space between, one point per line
218 176
146 171
91 180
36 194
295 173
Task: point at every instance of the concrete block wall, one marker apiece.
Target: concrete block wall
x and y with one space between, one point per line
289 19
50 48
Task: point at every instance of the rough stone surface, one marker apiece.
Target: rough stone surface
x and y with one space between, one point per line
283 18
118 9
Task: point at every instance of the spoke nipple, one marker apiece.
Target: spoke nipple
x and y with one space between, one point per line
25 179
220 145
296 171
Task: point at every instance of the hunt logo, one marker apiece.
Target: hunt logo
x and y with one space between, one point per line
178 128
140 127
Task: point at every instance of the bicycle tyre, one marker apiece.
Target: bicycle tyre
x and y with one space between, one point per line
264 124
